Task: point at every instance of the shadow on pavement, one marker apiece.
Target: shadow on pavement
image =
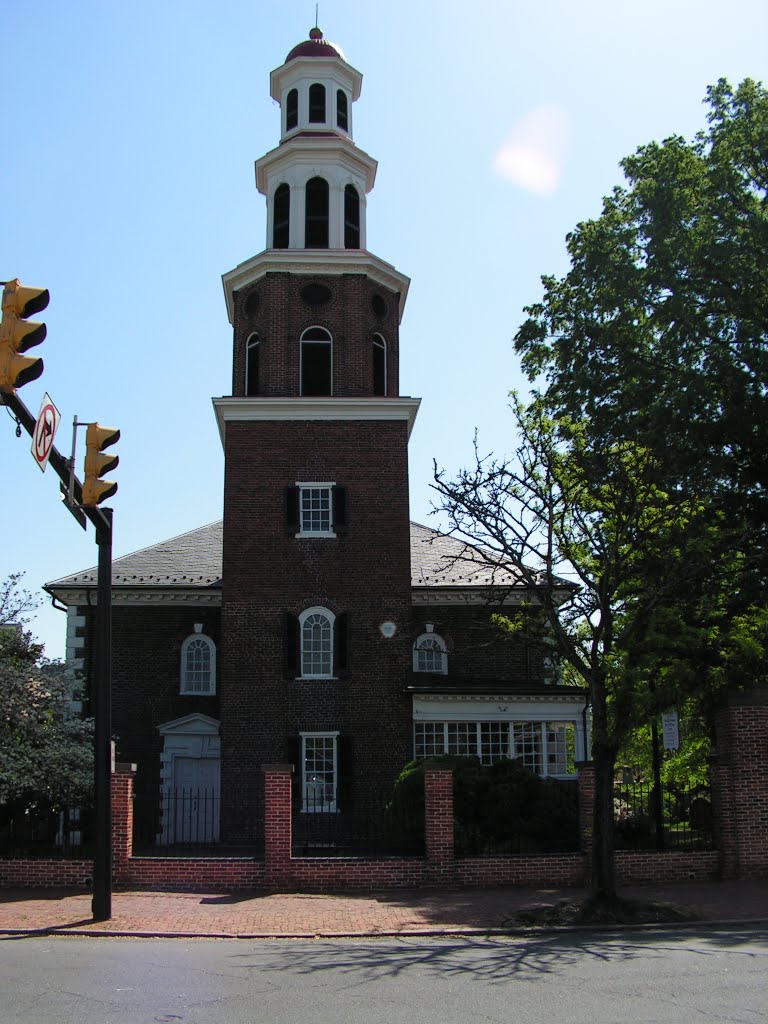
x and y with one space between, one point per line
494 960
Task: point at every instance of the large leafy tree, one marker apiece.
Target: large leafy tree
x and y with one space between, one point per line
642 465
658 331
582 522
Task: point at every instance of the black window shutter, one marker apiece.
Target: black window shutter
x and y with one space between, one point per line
293 756
341 645
291 509
340 509
346 774
291 645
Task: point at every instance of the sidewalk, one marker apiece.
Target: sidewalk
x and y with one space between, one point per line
292 915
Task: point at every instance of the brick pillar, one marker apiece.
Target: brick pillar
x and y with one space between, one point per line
740 785
277 824
438 822
586 783
122 820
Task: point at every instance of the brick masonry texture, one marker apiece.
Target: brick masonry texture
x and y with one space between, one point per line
267 573
147 679
281 316
280 871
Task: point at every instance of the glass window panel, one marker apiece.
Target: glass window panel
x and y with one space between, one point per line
561 748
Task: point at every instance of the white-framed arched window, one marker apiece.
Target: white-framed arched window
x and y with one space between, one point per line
379 365
316 627
316 362
430 654
252 365
198 664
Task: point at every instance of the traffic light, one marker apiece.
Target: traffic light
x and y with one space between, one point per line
17 334
97 438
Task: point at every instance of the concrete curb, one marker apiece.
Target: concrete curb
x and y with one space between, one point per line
445 932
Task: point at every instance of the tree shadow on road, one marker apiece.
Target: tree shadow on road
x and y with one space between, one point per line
494 959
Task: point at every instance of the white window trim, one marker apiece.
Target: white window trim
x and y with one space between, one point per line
332 806
316 610
380 342
323 485
253 341
429 635
543 725
184 687
315 341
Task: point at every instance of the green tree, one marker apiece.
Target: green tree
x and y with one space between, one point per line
581 522
46 749
642 464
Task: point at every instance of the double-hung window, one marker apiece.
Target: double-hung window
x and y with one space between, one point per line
316 509
319 771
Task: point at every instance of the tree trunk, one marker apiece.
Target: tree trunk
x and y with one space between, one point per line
603 860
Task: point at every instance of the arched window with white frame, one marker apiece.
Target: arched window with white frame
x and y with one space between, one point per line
430 654
198 664
316 362
316 626
379 365
252 365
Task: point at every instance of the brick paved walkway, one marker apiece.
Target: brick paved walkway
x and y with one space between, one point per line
256 914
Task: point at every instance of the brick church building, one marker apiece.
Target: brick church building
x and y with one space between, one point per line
315 624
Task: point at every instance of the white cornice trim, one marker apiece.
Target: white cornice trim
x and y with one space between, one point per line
478 594
135 597
314 261
315 67
243 410
309 151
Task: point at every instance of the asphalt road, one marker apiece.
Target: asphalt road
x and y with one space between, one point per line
577 978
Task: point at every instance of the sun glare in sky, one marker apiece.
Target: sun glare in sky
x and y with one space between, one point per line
533 154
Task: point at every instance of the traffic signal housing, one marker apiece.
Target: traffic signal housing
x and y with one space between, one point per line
97 438
17 334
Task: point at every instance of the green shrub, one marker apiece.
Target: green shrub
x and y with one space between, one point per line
498 808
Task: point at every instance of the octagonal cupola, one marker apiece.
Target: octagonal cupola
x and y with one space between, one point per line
316 180
315 88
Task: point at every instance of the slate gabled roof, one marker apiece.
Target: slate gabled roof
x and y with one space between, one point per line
190 560
193 560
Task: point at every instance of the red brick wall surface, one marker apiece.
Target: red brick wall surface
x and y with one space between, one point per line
364 573
282 316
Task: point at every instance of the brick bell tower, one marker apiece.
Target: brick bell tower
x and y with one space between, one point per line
316 599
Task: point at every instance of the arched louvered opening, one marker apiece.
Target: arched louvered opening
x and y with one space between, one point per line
291 109
379 365
317 103
342 117
252 365
351 218
281 217
316 217
316 362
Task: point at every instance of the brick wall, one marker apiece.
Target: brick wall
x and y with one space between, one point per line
274 309
307 874
267 573
476 649
740 785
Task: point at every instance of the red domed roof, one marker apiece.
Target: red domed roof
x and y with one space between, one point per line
315 46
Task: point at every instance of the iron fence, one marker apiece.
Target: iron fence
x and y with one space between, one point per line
366 826
548 822
34 832
672 818
183 821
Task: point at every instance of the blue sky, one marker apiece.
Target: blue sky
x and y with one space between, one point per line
128 189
